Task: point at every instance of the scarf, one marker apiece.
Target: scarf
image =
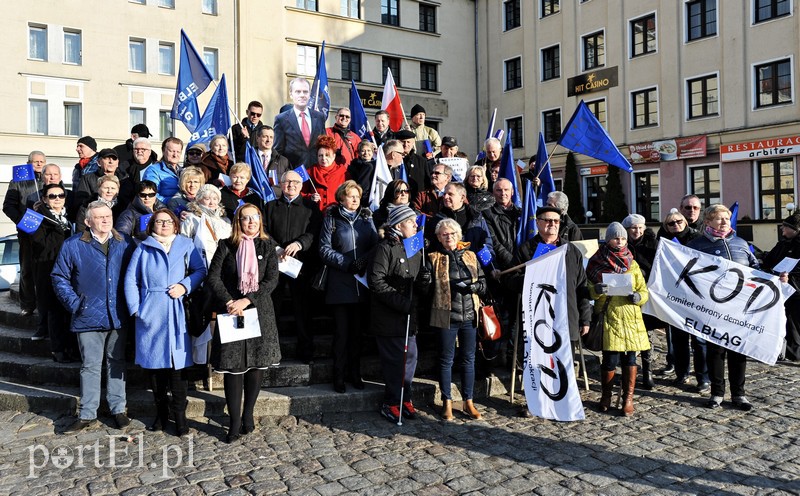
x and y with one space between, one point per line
82 162
220 162
716 233
608 261
349 215
247 265
61 217
240 194
165 241
109 203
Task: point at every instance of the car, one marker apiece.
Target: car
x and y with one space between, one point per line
9 261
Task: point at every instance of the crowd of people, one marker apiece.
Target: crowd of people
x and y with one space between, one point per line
158 248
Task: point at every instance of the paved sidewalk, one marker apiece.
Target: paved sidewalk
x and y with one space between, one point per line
673 445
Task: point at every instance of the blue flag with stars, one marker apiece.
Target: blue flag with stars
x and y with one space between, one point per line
23 173
216 119
301 170
259 179
413 244
193 79
143 221
584 134
30 222
734 214
508 170
543 248
544 173
320 98
359 123
527 221
421 219
485 256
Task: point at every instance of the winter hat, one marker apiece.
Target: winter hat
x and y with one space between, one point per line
615 230
632 220
416 109
793 221
398 214
89 141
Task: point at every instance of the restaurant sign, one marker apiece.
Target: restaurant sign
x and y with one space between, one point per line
592 81
772 147
667 150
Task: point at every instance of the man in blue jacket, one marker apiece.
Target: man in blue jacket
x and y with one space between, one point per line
87 279
166 174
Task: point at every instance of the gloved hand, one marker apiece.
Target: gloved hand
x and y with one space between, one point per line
635 297
358 266
425 276
474 288
601 288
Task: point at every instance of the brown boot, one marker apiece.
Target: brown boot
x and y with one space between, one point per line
628 385
607 378
471 411
447 410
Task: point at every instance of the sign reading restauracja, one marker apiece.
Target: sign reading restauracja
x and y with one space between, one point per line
771 147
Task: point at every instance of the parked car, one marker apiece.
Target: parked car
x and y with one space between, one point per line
9 261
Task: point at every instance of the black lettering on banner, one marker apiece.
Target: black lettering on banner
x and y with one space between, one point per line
686 275
736 290
546 292
757 292
563 384
549 349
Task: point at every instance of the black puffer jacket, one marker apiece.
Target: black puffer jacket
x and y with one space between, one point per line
480 199
644 251
503 225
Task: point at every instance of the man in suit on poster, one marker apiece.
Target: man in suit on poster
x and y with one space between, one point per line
297 129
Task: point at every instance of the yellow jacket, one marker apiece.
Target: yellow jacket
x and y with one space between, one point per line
624 327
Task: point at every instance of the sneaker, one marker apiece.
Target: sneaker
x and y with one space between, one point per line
409 411
669 369
40 335
81 424
742 404
121 420
392 413
703 387
714 402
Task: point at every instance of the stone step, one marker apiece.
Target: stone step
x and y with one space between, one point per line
10 316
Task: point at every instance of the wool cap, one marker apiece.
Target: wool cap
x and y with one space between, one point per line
398 214
416 109
615 230
632 220
89 141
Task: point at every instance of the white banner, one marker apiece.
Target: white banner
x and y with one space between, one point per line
548 375
723 302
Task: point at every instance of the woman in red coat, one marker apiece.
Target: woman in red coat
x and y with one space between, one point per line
326 175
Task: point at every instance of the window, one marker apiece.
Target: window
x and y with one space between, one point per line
427 18
774 83
351 66
595 188
648 202
209 7
775 187
551 123
598 108
703 96
165 124
701 19
515 132
72 119
136 53
594 50
550 7
211 59
511 13
645 108
140 2
137 116
513 74
705 183
643 35
37 43
166 59
551 64
427 77
394 65
72 47
306 4
389 13
38 111
306 60
770 9
349 8
167 4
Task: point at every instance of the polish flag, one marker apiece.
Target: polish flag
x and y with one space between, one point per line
391 102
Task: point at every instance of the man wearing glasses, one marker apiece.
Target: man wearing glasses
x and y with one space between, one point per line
143 157
126 151
690 208
247 130
346 140
428 201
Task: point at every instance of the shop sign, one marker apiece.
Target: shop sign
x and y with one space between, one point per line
771 147
667 150
592 81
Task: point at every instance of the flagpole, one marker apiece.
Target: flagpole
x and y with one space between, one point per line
548 160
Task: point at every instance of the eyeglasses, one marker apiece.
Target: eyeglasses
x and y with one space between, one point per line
401 192
254 114
550 221
292 181
674 223
53 196
250 218
691 207
163 222
342 116
194 152
147 195
437 173
141 149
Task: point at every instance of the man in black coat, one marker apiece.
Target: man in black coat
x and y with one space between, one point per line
126 151
416 165
274 163
503 220
568 229
297 129
247 130
381 131
294 223
109 166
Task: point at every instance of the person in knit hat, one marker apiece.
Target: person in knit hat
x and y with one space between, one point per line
424 132
789 246
87 159
624 331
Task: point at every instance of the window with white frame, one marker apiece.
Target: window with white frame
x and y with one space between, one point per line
209 7
73 119
647 191
211 59
38 116
594 50
167 4
701 19
137 116
704 181
72 47
306 60
773 83
166 59
136 55
350 8
703 96
37 42
513 74
643 35
644 104
551 63
771 9
306 4
165 124
550 7
775 186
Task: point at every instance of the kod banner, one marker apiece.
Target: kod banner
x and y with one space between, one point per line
723 302
548 375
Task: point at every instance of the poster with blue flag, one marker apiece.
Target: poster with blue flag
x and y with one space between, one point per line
543 172
359 123
320 99
584 134
527 222
413 244
259 179
22 173
541 249
30 222
216 119
143 221
485 256
734 214
508 170
301 170
193 79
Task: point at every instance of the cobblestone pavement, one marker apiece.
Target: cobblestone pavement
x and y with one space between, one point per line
673 445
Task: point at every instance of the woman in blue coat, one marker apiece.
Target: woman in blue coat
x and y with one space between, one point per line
347 238
163 270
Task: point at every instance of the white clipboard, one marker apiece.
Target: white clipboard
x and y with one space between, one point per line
618 284
228 332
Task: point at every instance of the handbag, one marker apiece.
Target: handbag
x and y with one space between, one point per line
489 324
593 340
320 280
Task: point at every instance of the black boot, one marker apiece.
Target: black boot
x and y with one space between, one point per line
162 417
158 383
647 374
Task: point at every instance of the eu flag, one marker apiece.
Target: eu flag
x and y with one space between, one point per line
509 171
143 221
485 256
543 248
301 169
30 222
421 218
193 79
544 173
320 99
527 222
413 244
22 173
734 214
259 179
359 123
216 119
403 173
584 134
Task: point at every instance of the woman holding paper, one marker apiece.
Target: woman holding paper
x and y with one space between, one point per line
243 274
624 331
163 270
145 203
238 193
719 239
326 175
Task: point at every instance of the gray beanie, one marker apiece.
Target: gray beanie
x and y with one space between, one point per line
615 230
632 220
398 214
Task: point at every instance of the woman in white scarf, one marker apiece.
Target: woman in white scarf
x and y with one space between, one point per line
206 222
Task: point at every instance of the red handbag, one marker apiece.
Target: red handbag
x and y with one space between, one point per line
489 324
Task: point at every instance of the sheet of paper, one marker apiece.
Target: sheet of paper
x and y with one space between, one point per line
786 265
226 179
288 265
588 247
228 332
618 284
